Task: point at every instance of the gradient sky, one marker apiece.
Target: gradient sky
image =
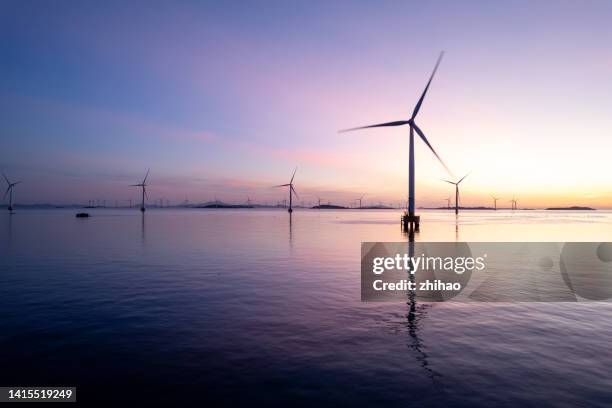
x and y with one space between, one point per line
224 99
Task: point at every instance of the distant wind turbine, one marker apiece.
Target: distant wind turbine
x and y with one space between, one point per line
448 200
456 184
514 203
359 199
9 191
291 191
144 191
413 128
495 202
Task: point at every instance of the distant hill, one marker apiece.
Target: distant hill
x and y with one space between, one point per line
223 205
572 208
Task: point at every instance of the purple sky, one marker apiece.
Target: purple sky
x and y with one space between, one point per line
225 99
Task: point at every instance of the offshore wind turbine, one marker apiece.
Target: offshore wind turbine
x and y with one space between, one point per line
144 191
9 191
413 128
448 200
514 203
495 202
359 199
456 184
291 191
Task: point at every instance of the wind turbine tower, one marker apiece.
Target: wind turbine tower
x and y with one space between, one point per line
456 184
359 199
9 191
291 191
495 202
144 191
411 219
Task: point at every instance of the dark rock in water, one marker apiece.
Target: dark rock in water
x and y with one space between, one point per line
82 215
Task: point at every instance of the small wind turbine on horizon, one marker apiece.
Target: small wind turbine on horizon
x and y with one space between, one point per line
448 200
144 190
291 191
359 199
9 191
413 128
495 202
514 202
456 184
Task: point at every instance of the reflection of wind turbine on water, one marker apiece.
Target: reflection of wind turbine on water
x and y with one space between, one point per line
456 184
144 191
413 128
291 191
417 312
9 191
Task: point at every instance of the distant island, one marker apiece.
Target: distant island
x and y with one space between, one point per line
573 208
223 205
461 208
328 207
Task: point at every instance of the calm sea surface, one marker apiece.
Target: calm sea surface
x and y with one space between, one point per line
243 307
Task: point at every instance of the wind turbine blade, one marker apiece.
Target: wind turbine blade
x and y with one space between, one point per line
7 191
135 185
397 123
295 192
420 133
293 175
147 175
418 105
463 178
450 182
6 178
281 185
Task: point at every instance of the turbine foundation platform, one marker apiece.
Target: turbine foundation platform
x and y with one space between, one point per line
410 222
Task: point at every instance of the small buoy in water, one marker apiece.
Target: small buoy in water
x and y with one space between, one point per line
82 215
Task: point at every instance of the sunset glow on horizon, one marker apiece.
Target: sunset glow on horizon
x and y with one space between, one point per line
223 102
